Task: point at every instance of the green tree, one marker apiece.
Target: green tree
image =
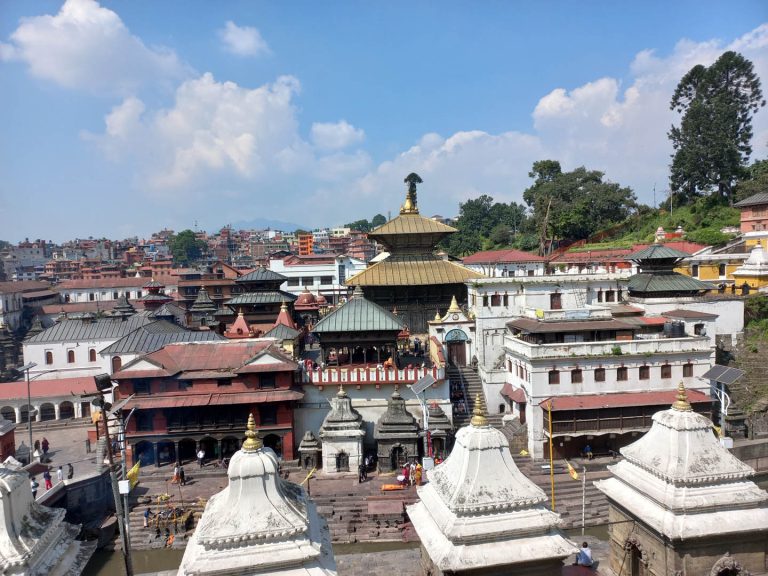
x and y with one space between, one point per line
186 248
713 141
756 180
574 205
361 225
378 220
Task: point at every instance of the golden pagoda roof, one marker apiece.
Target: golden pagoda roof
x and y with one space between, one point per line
411 223
413 271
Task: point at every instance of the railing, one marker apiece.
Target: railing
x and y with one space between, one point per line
615 423
607 347
371 375
591 313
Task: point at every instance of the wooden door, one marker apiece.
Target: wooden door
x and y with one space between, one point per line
457 353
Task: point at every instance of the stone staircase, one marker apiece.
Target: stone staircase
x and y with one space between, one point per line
144 538
472 386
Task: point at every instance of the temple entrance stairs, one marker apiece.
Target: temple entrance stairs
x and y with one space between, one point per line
472 387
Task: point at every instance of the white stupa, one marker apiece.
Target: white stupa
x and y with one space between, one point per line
259 524
480 514
679 481
34 539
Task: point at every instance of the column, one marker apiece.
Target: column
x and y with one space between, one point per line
56 412
218 449
157 454
17 411
39 415
176 451
78 409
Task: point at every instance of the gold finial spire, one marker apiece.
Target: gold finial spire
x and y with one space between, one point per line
681 403
252 440
284 306
438 318
479 417
410 206
454 309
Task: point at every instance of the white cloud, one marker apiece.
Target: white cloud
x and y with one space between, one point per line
86 46
243 40
336 135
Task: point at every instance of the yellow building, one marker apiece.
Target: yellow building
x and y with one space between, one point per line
754 272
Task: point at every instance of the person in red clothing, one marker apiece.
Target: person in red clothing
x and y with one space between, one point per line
48 481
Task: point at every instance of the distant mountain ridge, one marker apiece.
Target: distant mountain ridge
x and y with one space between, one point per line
266 223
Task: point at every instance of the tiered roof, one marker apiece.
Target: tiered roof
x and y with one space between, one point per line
359 315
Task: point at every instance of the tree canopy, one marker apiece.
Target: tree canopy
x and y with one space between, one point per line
366 226
186 247
484 224
574 205
713 141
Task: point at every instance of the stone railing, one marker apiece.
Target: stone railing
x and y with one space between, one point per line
333 376
607 347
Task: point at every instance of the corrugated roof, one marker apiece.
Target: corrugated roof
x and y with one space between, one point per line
267 297
592 401
131 282
180 401
657 252
502 257
359 315
99 329
23 286
759 198
411 224
39 294
262 274
692 314
154 336
669 282
413 271
539 327
47 388
282 332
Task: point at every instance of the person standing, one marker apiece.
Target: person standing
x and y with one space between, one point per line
59 475
147 514
182 477
46 445
47 478
70 472
34 485
200 457
176 479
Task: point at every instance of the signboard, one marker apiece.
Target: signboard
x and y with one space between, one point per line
428 463
422 384
124 486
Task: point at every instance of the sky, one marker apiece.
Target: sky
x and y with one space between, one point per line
119 118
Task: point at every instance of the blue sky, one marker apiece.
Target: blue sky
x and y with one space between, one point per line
120 118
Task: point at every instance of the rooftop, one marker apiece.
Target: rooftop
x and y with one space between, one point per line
413 270
359 315
502 257
91 330
754 200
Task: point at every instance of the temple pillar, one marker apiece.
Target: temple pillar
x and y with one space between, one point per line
56 412
156 451
78 409
176 452
17 411
38 414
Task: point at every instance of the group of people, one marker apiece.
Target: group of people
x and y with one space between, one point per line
457 398
411 474
41 448
179 476
48 479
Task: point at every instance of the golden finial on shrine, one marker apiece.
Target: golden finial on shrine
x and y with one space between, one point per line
681 404
252 441
479 415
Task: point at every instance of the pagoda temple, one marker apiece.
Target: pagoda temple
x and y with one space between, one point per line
155 296
259 297
657 277
413 279
480 515
680 503
259 524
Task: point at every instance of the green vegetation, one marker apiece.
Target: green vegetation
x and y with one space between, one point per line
186 248
366 226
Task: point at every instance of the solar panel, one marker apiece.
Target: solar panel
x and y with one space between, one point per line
422 384
723 374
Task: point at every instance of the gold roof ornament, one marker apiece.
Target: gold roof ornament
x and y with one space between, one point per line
284 306
479 415
252 441
438 318
454 309
410 206
681 404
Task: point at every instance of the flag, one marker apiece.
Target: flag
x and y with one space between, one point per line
572 471
133 474
523 452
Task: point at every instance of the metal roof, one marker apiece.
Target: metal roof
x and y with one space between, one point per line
359 315
667 282
539 327
759 198
723 374
620 399
282 332
657 252
98 329
156 335
502 257
262 274
266 297
411 224
690 314
416 270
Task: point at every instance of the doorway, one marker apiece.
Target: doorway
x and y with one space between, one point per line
342 462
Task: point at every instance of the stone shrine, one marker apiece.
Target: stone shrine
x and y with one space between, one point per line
440 431
34 539
342 435
680 504
396 434
259 524
480 515
310 452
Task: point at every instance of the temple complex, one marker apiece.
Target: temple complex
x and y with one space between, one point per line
286 537
34 539
155 295
203 310
258 296
413 279
342 435
480 515
396 435
681 504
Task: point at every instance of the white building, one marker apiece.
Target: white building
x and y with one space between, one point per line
505 263
321 273
15 295
105 289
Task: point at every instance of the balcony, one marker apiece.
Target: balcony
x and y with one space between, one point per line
333 376
591 313
688 344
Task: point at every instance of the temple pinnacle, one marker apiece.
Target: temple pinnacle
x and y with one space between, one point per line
681 404
479 416
252 441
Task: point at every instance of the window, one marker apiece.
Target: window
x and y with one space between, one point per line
505 301
610 296
144 422
92 355
49 357
485 300
621 373
699 330
599 295
184 385
115 295
224 382
645 372
293 281
687 370
556 301
554 377
599 374
217 290
576 376
267 415
267 381
307 281
141 388
721 270
496 300
70 356
326 280
695 270
666 371
91 296
530 272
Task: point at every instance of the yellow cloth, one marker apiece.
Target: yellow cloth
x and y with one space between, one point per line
572 471
523 452
133 474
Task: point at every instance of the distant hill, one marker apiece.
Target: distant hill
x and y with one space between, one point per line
266 223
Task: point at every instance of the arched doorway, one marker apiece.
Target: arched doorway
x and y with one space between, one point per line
210 447
342 462
637 562
229 446
47 412
727 566
456 342
8 413
25 410
274 442
397 457
166 452
144 452
187 450
66 410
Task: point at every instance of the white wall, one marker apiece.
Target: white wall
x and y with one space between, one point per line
60 368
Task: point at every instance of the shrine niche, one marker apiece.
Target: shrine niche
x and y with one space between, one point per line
396 434
342 435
